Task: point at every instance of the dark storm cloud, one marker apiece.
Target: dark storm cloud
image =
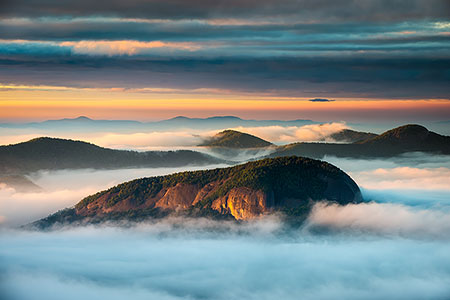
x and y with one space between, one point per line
307 10
337 76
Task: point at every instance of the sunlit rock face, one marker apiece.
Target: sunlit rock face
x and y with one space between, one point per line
243 203
288 185
181 196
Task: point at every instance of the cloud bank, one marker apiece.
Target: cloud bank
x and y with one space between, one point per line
179 138
125 47
366 251
150 263
292 134
382 218
305 10
405 178
411 171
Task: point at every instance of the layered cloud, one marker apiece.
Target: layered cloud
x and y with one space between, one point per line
382 218
405 178
97 47
125 47
319 76
292 134
305 10
412 172
160 261
294 48
183 137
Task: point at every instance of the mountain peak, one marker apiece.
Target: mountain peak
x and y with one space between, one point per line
82 118
407 130
406 134
236 139
224 118
47 139
179 118
286 184
77 119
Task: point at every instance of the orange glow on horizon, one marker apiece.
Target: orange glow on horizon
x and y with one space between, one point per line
41 103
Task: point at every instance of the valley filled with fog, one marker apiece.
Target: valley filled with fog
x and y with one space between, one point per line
393 246
183 260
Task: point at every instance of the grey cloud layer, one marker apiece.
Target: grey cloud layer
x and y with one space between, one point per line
93 28
154 261
306 10
393 49
306 76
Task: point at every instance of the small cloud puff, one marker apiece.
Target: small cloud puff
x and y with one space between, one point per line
321 100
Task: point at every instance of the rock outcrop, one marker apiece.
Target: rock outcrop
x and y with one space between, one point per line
289 185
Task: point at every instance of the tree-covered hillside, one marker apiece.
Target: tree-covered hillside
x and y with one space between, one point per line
52 153
286 184
235 139
397 141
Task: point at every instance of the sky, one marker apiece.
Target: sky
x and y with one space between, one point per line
149 60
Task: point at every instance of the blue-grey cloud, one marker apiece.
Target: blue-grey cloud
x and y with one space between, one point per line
325 77
321 100
320 49
306 10
93 28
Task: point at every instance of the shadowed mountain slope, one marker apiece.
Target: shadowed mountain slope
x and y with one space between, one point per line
352 136
397 141
52 154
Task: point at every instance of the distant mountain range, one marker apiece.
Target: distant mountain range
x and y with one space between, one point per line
217 122
408 138
235 139
239 140
53 154
289 185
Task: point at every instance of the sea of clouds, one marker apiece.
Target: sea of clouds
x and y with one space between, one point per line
395 246
201 259
179 138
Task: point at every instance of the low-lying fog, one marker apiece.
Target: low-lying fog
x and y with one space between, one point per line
164 261
182 138
395 247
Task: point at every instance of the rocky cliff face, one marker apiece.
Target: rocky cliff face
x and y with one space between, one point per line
288 184
243 203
